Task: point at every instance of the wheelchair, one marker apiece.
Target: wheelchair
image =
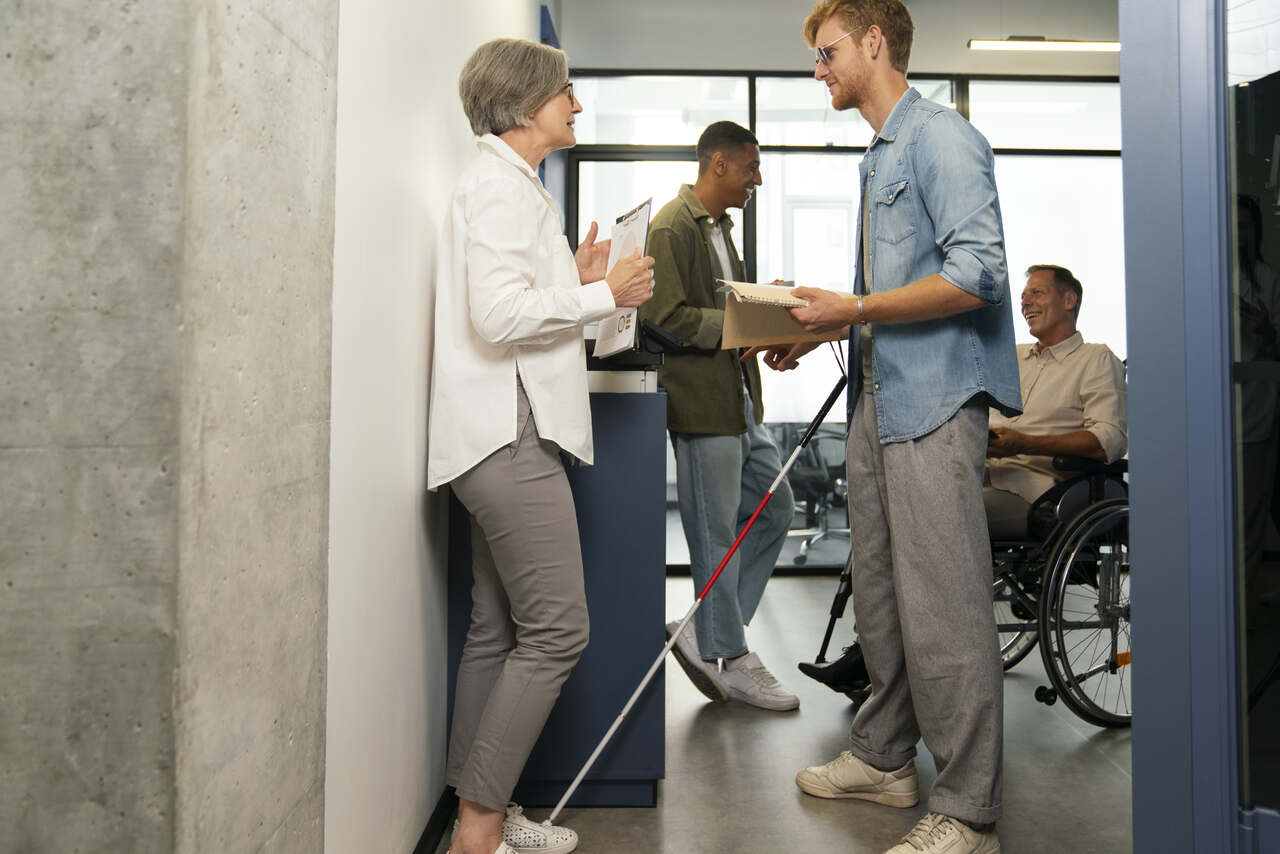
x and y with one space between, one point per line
1066 588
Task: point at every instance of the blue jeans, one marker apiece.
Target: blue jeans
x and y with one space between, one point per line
719 481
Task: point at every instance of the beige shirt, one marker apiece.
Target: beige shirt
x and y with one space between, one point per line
1067 387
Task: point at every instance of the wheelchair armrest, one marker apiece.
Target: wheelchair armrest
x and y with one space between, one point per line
1084 465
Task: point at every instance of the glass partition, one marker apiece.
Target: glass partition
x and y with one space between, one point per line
1253 74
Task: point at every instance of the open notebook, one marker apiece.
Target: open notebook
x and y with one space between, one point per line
757 315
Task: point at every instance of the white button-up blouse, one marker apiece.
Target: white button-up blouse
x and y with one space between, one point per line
508 299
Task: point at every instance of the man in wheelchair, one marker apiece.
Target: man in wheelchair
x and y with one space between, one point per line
1073 399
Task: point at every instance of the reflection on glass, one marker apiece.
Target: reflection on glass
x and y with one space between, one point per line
797 111
1024 114
656 110
1255 140
1068 211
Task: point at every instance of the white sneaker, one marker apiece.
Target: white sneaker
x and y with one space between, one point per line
702 674
520 835
942 834
745 678
847 776
503 848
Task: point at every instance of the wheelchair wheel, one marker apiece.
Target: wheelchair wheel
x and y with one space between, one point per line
1015 620
1084 615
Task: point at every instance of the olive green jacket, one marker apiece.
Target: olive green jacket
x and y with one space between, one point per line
704 383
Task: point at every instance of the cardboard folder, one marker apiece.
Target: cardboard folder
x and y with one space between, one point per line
757 315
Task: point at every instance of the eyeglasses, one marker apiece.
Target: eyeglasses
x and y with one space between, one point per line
568 90
824 58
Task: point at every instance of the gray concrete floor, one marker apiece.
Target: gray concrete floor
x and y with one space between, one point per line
729 782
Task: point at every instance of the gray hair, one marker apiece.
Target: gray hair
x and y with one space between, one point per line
506 80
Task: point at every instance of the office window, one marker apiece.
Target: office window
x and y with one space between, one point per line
1062 208
607 188
1036 114
1068 211
797 111
806 217
656 110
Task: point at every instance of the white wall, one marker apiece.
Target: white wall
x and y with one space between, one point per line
401 139
765 34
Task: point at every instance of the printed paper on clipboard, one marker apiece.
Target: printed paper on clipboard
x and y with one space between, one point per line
617 332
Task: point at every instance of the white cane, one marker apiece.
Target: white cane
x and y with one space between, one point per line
595 754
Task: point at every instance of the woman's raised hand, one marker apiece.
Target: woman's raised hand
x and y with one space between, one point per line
592 256
631 280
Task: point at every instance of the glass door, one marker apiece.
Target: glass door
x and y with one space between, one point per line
1253 98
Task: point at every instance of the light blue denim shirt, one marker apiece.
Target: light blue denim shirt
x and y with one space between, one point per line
930 179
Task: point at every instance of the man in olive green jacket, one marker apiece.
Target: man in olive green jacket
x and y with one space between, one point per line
725 459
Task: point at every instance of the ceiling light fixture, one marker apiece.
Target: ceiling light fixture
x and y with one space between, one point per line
1040 43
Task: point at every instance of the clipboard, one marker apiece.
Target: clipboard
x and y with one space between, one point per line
618 331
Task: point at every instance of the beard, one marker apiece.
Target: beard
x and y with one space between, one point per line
851 89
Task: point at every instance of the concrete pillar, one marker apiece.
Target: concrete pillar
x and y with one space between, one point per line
167 176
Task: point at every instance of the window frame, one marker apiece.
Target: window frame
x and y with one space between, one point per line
616 152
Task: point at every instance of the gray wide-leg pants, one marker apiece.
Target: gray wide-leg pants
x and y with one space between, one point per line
528 611
922 598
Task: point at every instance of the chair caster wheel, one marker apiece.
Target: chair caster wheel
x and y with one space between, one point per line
800 559
1046 695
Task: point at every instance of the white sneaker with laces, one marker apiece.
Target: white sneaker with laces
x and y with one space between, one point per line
847 776
746 678
521 835
942 834
702 674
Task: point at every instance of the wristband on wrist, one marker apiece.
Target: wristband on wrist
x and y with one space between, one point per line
861 319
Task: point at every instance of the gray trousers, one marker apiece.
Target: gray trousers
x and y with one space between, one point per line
922 598
528 611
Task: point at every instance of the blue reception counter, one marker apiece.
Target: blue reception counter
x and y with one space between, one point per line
621 506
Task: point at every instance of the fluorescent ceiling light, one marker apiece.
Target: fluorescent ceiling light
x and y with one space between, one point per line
1040 43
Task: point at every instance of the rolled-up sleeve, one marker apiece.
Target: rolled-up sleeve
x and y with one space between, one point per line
694 326
1102 393
958 186
507 303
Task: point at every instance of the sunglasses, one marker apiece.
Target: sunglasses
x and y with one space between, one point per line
823 57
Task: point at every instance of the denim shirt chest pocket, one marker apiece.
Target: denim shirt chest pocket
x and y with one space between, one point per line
894 218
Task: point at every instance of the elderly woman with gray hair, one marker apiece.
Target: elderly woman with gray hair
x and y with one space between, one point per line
508 398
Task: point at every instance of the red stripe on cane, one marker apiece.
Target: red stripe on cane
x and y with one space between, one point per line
734 548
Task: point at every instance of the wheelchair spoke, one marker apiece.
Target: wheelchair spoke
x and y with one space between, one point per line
1085 617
